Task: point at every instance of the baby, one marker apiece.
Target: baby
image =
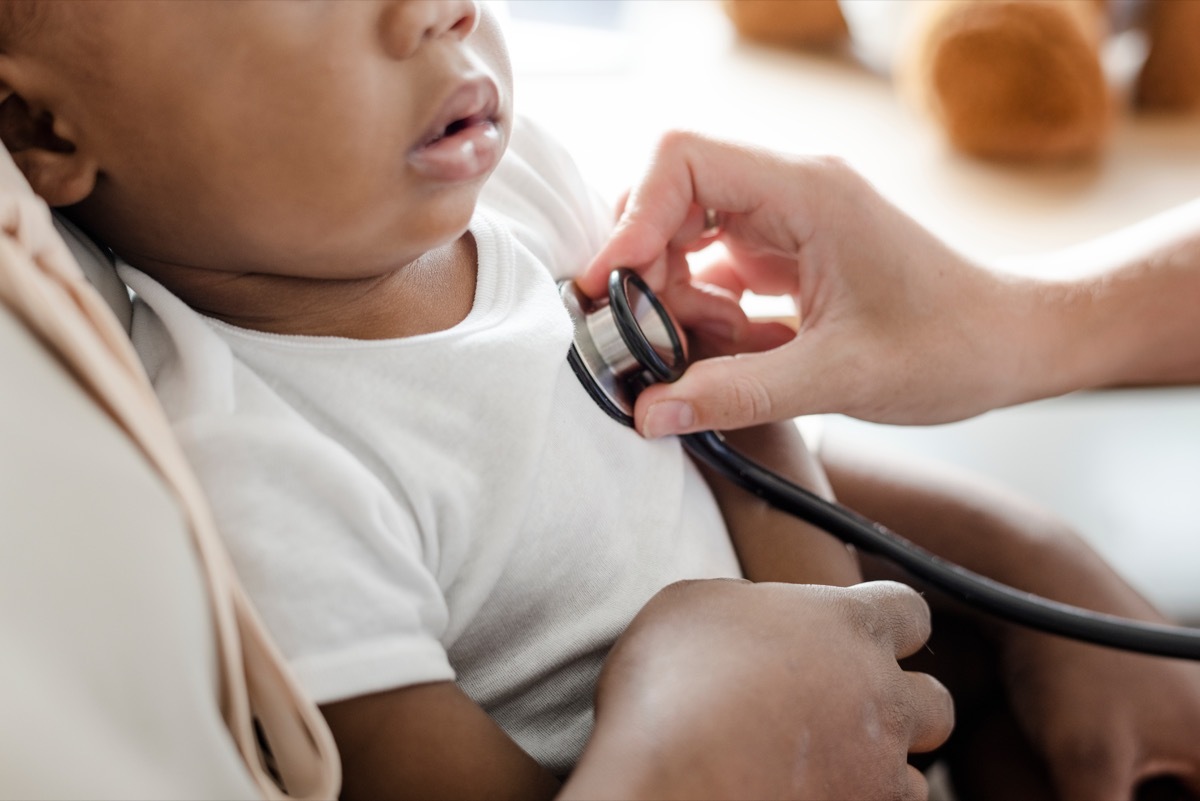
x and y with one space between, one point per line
345 249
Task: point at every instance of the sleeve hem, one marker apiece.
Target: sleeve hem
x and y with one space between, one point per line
372 668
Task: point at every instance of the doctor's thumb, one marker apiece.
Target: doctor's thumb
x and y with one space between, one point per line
721 393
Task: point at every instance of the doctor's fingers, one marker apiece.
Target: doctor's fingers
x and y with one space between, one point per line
698 230
745 389
706 310
767 193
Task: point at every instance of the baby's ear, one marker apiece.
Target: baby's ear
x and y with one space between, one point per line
54 167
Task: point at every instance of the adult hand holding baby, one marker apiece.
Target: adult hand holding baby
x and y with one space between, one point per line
816 695
877 295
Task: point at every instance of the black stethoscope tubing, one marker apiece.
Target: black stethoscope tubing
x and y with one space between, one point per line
979 591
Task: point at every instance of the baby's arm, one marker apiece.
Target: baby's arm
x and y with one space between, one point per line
429 741
772 545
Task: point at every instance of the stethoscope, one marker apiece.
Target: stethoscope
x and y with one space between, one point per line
631 342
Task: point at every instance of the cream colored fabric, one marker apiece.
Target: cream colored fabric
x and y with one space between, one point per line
41 285
108 679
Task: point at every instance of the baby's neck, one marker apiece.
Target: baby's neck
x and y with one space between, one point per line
432 293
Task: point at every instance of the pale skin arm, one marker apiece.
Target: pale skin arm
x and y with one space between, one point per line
1133 324
895 326
709 693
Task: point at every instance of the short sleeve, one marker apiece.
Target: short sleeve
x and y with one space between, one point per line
332 561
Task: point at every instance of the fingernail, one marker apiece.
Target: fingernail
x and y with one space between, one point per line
668 417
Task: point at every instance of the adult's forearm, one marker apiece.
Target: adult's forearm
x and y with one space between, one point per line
1141 324
1134 319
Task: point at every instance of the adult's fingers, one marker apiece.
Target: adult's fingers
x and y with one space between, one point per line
723 274
730 392
931 715
690 172
698 230
895 613
916 785
700 308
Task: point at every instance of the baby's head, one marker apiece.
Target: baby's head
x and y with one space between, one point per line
315 138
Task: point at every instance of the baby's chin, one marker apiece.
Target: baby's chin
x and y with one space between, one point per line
444 221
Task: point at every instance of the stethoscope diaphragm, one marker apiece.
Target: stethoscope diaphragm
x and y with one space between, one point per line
623 346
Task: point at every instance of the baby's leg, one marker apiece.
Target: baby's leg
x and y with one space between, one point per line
987 756
1037 716
772 545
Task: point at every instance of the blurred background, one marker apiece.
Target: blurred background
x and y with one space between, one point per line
609 76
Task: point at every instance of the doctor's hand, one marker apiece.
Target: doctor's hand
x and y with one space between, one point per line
894 326
725 688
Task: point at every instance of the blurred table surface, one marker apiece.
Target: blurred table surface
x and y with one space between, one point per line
1122 466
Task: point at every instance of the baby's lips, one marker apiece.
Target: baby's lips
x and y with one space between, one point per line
467 154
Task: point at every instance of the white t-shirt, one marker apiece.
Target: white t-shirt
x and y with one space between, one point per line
451 506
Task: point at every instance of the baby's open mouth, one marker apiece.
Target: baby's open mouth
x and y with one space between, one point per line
459 125
465 142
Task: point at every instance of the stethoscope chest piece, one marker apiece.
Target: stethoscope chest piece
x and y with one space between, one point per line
624 346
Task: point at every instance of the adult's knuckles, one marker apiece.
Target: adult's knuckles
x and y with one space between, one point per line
897 611
677 143
916 786
933 712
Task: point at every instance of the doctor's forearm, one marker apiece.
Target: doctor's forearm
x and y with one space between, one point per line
1136 323
1140 324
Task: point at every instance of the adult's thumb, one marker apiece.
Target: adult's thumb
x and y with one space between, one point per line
724 393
